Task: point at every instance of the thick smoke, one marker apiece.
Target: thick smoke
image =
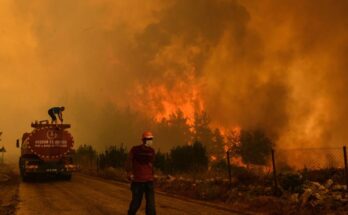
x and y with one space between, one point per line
307 42
116 65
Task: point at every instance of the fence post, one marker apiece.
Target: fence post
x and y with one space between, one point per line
97 163
229 168
345 165
274 174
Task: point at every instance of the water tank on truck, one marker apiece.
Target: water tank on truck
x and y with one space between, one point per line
47 150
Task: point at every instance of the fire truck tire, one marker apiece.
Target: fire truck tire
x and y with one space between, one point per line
66 177
26 178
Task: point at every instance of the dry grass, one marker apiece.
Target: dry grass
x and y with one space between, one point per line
9 181
249 191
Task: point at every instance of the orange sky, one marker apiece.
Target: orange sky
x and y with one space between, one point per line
276 65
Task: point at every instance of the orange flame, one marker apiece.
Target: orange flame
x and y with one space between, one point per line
160 102
238 162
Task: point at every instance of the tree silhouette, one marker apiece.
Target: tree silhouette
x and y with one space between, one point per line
218 144
162 161
172 132
202 131
113 156
85 156
255 147
189 158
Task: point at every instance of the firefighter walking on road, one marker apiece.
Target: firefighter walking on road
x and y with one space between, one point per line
139 167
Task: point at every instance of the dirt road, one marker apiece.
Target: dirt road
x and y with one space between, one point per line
88 195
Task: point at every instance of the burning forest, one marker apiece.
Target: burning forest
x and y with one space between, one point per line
234 91
275 67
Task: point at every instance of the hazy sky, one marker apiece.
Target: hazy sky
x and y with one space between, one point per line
279 65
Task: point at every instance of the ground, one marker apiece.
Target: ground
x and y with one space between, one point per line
9 181
90 195
86 194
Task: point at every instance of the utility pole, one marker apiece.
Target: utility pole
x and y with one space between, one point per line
2 151
229 168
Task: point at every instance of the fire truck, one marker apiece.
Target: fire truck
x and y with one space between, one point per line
46 150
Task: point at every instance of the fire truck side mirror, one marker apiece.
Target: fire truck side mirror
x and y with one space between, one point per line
17 143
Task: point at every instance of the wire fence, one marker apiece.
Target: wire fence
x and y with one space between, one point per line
314 164
309 158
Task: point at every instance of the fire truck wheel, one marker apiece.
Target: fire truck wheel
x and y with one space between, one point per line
66 177
26 178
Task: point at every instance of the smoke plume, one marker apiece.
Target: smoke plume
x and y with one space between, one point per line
117 65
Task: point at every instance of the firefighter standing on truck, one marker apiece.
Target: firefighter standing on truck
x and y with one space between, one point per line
56 110
139 167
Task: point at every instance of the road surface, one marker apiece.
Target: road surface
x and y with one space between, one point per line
89 195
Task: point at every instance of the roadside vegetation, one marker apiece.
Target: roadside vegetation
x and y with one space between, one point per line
187 171
196 167
9 182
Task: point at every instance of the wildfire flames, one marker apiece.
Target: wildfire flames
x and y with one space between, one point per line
161 103
277 65
238 162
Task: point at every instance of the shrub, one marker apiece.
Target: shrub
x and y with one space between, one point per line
189 158
291 181
162 162
220 165
255 147
113 156
86 156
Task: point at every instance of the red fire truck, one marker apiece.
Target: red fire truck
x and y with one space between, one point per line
47 150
